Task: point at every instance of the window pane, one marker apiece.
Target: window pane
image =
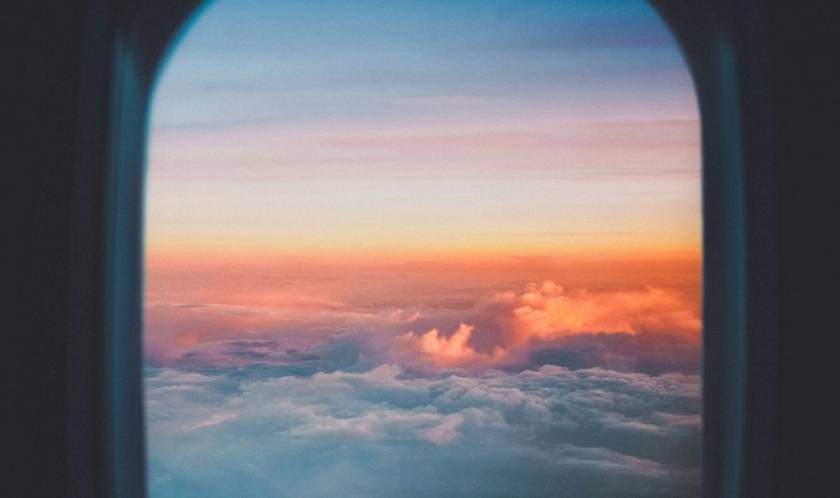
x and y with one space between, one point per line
446 249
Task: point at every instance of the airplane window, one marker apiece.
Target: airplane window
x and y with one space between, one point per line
424 249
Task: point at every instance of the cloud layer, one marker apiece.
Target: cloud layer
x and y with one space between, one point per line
386 432
543 391
507 329
646 329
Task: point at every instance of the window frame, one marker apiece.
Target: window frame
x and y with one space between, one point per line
128 45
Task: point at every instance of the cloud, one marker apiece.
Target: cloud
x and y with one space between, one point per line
446 351
215 334
546 310
386 432
648 353
644 329
515 328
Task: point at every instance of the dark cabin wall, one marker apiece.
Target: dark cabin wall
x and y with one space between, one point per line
57 94
806 145
43 77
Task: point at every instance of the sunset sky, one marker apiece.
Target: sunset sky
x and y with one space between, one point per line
390 202
406 127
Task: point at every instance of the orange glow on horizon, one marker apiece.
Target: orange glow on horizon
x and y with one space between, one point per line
198 301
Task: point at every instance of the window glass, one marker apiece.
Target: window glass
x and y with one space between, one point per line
424 249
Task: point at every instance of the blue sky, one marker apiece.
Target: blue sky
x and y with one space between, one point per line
347 60
512 101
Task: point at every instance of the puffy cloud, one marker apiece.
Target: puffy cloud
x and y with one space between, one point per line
646 329
591 329
548 311
385 432
447 351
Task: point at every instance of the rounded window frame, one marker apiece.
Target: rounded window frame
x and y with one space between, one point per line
733 446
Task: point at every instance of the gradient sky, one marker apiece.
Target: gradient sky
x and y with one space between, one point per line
424 249
416 127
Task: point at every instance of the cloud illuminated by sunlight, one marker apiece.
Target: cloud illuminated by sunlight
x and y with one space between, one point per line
513 322
548 311
450 350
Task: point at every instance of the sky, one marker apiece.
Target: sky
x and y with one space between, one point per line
419 249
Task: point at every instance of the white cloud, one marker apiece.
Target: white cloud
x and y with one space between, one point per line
385 432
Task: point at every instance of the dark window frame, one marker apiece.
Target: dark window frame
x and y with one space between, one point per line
125 43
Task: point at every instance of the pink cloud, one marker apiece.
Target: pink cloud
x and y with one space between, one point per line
454 349
506 327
